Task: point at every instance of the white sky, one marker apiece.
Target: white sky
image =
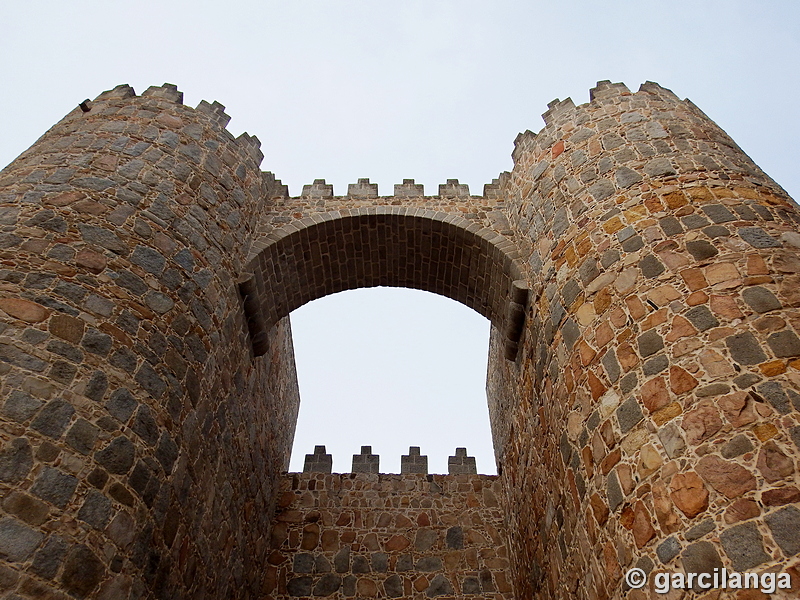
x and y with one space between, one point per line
424 89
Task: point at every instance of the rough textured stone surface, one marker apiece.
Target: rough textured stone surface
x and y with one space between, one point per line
454 521
154 266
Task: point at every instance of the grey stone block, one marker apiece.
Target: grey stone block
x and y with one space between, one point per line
17 541
366 462
699 530
118 456
784 344
413 462
461 463
701 249
758 238
629 414
48 559
718 213
20 406
319 462
53 419
739 445
744 349
96 510
668 549
650 343
54 486
744 546
760 299
701 317
784 525
82 436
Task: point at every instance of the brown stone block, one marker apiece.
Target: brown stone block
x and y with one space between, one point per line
397 543
654 394
725 307
654 319
765 431
90 260
367 587
667 413
67 328
689 493
666 516
310 537
675 200
741 510
738 408
780 496
599 509
588 461
24 310
772 368
627 357
663 295
611 459
64 199
681 327
773 464
715 364
680 381
719 273
596 386
701 423
727 478
649 461
586 352
643 530
756 265
696 298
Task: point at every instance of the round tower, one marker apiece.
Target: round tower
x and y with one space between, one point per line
654 403
140 441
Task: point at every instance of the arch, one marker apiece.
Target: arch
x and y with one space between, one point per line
393 246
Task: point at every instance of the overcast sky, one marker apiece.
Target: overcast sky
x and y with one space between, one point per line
393 90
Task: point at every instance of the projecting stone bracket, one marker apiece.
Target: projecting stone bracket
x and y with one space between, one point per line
515 318
256 324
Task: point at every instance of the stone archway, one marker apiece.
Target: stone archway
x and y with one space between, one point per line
393 246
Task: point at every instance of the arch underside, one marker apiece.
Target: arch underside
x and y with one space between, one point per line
372 250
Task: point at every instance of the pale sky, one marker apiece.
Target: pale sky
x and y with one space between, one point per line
393 90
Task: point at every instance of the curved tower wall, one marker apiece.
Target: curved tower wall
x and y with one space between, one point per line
140 441
647 416
651 417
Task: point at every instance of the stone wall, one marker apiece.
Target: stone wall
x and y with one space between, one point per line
388 536
140 441
641 276
651 416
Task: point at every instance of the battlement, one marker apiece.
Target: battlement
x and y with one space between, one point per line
367 462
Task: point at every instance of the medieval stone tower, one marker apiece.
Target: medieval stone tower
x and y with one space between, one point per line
642 277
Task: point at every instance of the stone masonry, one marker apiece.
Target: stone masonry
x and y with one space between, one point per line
389 536
641 276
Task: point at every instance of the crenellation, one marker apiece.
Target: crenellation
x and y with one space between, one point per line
318 189
414 462
453 189
362 189
461 464
168 91
558 110
214 110
366 462
409 189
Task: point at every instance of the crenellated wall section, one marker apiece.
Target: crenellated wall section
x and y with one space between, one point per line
639 271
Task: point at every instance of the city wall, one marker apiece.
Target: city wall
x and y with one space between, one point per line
639 271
